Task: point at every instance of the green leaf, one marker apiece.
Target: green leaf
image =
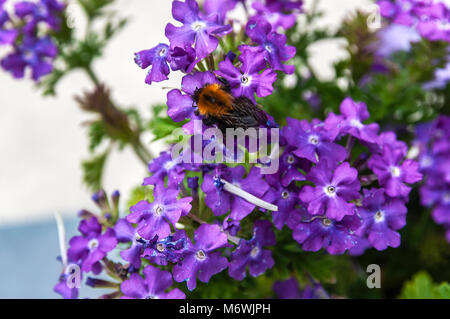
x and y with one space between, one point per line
140 193
161 125
94 8
422 287
93 171
96 135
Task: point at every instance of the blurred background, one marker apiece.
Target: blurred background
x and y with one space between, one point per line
42 141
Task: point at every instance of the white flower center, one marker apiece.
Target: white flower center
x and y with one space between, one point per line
160 247
245 80
254 252
426 161
330 190
200 255
137 237
290 159
395 171
158 210
268 48
446 198
326 222
162 52
356 123
93 243
198 25
313 139
285 195
379 216
169 165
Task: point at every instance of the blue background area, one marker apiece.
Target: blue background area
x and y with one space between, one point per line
28 264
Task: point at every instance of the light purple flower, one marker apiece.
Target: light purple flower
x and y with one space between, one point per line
220 8
274 44
274 15
221 202
251 252
437 196
195 29
152 286
155 218
248 80
392 173
7 36
201 258
381 217
156 59
312 141
165 166
334 188
89 248
48 11
396 37
125 232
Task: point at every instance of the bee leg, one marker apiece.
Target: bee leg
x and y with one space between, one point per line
196 112
225 84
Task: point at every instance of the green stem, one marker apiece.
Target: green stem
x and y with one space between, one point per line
91 75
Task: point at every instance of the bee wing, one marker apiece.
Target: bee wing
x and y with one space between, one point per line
249 112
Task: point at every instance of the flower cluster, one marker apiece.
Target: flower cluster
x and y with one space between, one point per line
341 207
430 18
432 140
27 33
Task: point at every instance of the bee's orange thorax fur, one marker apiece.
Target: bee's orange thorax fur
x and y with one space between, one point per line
221 105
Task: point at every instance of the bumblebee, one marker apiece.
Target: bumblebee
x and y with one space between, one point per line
219 107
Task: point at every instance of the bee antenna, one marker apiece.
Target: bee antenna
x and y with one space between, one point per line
168 88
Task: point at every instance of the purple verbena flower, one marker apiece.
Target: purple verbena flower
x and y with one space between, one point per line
392 174
312 141
274 44
351 121
37 53
203 31
156 59
165 166
169 249
125 232
220 201
155 218
381 217
92 246
152 286
7 36
251 252
220 8
334 236
335 186
274 15
201 258
248 80
47 11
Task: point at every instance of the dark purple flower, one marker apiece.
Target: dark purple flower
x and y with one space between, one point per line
351 121
169 249
274 44
155 218
334 188
381 218
312 141
33 52
289 167
251 252
220 201
201 258
334 236
48 11
63 287
165 166
152 286
289 289
195 29
284 5
286 198
92 246
181 59
248 80
156 59
125 232
392 174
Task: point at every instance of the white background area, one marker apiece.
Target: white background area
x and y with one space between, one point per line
42 141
